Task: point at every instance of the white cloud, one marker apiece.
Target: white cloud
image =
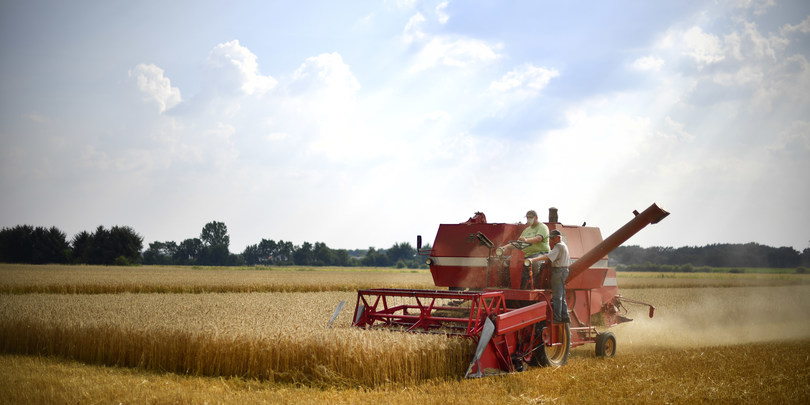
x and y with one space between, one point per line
749 43
674 131
525 77
802 27
793 141
439 50
441 14
458 53
413 29
518 85
648 63
324 107
327 71
325 87
407 4
755 70
155 87
704 48
600 135
759 6
234 68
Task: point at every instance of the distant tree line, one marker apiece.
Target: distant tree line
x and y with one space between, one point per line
715 255
207 251
269 252
121 245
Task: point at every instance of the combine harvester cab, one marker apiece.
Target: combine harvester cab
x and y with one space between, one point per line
505 309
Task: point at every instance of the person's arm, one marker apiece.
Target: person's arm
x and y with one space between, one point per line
550 256
536 239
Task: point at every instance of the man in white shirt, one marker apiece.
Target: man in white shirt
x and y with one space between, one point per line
559 259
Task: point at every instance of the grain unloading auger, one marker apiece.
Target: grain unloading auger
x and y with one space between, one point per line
507 314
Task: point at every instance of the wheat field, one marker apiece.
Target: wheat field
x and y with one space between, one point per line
730 341
59 279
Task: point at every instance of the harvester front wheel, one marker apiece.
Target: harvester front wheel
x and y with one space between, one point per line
553 355
605 344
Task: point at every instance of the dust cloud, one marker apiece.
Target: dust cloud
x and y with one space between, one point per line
704 317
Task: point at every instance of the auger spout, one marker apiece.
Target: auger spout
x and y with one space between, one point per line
651 215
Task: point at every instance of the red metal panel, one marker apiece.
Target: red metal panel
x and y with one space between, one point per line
520 318
579 239
457 243
458 240
593 277
526 295
591 236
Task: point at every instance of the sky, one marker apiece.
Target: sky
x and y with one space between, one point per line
365 123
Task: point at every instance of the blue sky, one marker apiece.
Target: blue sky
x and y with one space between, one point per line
366 123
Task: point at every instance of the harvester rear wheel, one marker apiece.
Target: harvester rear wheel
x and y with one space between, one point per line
547 355
605 344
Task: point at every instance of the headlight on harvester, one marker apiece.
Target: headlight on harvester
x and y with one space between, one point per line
429 261
499 252
527 263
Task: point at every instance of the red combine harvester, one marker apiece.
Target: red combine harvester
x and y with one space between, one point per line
501 303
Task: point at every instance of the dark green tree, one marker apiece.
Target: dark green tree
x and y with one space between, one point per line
82 245
160 253
304 256
283 253
127 245
188 252
323 255
375 258
215 234
404 253
117 245
251 255
26 244
342 258
215 239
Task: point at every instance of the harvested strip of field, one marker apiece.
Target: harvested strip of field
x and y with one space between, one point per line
278 337
56 279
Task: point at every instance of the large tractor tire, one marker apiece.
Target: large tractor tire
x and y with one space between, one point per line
605 344
553 355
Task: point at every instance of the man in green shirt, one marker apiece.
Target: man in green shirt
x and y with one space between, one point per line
535 233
